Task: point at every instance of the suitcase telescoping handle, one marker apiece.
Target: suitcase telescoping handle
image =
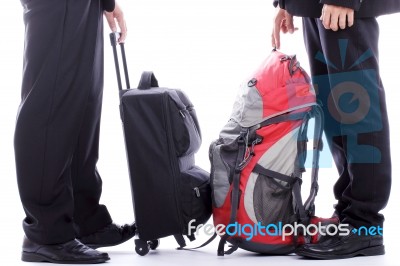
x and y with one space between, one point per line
148 79
114 42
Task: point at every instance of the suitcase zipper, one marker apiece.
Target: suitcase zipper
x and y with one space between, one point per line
174 167
197 191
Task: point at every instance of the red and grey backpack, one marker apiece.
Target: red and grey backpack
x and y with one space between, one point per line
258 160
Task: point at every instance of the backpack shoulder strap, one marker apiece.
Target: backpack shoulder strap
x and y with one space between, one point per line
235 195
306 209
211 239
317 113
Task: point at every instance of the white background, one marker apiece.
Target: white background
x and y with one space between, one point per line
207 48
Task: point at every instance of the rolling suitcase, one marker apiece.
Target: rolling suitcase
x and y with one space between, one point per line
162 135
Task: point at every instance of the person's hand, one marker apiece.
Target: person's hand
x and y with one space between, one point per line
335 17
283 21
114 18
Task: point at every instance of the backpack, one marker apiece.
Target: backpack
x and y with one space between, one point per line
258 160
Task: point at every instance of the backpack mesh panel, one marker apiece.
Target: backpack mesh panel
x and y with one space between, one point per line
272 201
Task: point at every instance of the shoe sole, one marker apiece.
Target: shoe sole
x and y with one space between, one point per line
96 246
371 251
35 257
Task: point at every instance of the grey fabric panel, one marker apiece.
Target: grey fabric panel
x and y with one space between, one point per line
248 106
195 138
280 158
248 197
177 100
231 130
186 162
219 177
190 125
223 156
282 155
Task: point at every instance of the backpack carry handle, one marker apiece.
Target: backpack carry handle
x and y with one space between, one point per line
113 38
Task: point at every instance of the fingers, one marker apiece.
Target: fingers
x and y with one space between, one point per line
114 18
335 17
276 28
283 22
119 17
276 36
350 19
333 23
122 26
289 22
283 26
342 22
326 17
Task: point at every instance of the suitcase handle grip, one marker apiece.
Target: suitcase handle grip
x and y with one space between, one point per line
113 38
147 81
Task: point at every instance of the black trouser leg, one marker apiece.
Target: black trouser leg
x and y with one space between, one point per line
62 73
345 70
87 184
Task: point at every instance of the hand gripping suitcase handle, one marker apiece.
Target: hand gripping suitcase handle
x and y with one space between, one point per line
113 38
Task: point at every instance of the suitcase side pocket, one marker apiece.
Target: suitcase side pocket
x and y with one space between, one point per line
195 197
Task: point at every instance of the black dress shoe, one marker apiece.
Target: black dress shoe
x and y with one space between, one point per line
72 252
342 247
111 235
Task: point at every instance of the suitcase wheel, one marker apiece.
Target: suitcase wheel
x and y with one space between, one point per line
153 244
141 247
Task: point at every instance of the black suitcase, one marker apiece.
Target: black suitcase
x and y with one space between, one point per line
162 135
